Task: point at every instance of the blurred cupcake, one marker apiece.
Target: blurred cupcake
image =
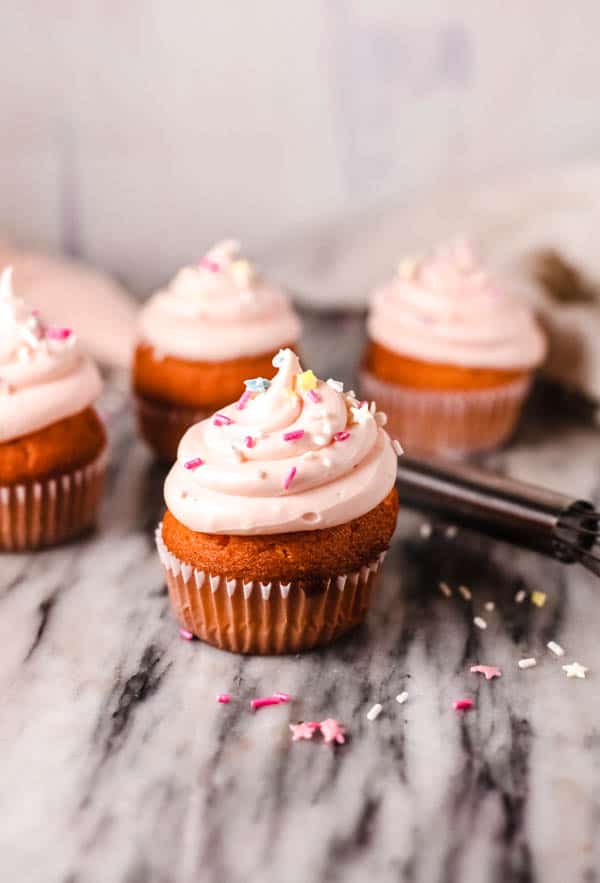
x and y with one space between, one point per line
450 355
279 516
216 324
52 442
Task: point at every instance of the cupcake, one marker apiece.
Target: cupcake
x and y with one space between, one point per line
52 442
216 324
279 515
450 355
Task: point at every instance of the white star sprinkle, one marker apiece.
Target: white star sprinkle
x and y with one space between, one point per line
361 415
575 670
335 384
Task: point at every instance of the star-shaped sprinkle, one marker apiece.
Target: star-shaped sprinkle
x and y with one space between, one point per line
304 730
257 384
362 414
575 670
489 671
335 384
538 598
306 381
333 731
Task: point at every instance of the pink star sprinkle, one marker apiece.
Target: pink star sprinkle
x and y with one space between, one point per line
222 420
223 698
58 333
341 436
304 730
314 396
463 704
185 635
293 436
289 478
490 671
244 399
249 441
193 464
333 731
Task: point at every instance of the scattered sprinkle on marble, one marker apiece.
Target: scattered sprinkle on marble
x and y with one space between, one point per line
463 704
480 622
451 532
425 530
304 730
529 662
555 648
283 697
489 606
374 712
264 701
289 478
333 731
538 598
397 447
223 698
575 670
402 697
445 589
465 592
185 635
489 671
520 596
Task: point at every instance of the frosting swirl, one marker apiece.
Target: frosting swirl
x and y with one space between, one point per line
446 309
219 309
299 455
44 377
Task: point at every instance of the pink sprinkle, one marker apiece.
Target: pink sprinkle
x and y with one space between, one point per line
244 399
224 698
333 731
362 404
293 436
249 441
193 464
463 704
289 478
314 396
304 730
208 264
58 333
341 436
185 635
490 671
283 697
263 701
222 420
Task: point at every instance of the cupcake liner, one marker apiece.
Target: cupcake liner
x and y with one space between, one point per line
266 617
453 424
162 425
51 511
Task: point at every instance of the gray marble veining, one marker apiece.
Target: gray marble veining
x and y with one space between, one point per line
117 765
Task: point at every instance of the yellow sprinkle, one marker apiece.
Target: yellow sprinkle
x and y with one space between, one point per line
306 381
538 598
242 271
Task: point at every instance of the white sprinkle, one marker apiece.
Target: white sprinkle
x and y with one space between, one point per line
445 590
520 596
397 447
425 530
530 662
489 606
335 384
451 532
480 622
372 408
381 418
575 670
555 648
402 697
374 712
465 592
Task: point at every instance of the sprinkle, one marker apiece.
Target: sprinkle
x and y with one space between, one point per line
362 414
538 598
425 530
463 704
306 381
451 532
335 384
263 701
289 478
314 396
249 441
381 418
241 271
465 592
193 464
372 408
555 648
244 399
445 589
374 712
397 447
520 596
530 662
295 435
479 622
575 670
210 265
304 730
333 731
185 635
489 606
224 698
222 420
257 384
490 671
341 436
402 697
58 333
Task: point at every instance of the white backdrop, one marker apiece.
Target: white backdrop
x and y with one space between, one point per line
133 133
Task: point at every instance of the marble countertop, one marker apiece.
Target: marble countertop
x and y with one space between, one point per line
117 765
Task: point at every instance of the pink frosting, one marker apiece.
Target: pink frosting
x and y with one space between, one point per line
446 309
220 309
44 377
314 460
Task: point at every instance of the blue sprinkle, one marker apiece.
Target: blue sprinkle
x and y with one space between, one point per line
257 384
278 359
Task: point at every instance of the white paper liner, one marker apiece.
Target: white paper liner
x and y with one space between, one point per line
250 616
50 511
449 423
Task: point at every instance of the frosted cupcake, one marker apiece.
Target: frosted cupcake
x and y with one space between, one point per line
450 355
52 442
279 516
216 324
